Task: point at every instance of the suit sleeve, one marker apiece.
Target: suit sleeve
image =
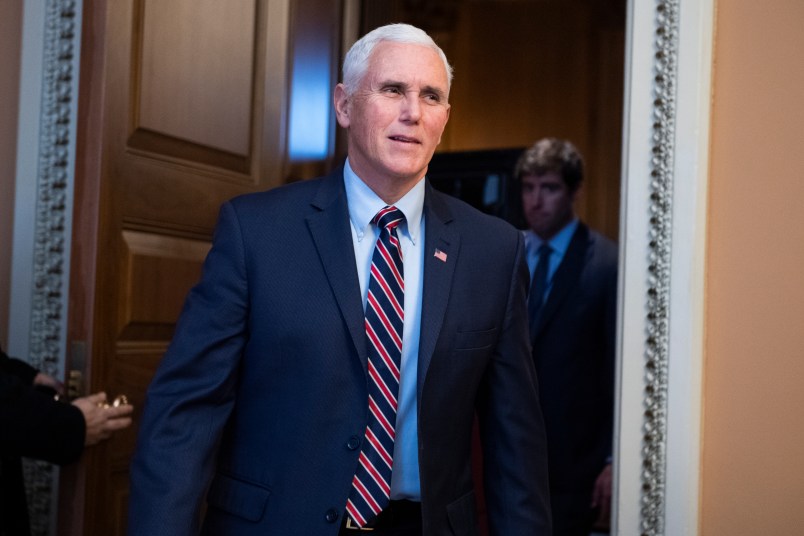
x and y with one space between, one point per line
20 369
192 394
511 424
611 345
33 424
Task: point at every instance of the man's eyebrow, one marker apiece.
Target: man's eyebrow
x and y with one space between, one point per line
393 83
405 87
434 90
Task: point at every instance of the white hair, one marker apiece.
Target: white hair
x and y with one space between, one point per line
356 61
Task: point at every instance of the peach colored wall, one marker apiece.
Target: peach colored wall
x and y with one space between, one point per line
753 434
10 34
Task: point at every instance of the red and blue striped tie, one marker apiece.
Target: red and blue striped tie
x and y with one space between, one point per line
371 486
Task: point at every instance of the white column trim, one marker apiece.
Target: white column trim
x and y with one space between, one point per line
663 232
43 209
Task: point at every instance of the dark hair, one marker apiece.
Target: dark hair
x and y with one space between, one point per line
552 155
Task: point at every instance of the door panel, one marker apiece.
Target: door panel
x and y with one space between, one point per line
158 272
181 108
216 46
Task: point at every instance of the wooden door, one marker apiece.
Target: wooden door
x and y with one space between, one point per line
181 107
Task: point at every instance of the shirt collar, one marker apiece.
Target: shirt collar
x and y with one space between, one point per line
559 242
364 204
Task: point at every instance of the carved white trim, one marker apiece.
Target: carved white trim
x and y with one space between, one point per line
662 238
657 297
55 172
52 216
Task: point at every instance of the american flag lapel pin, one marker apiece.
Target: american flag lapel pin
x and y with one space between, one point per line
440 255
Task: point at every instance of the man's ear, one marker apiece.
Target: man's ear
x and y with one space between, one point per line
449 107
577 193
341 100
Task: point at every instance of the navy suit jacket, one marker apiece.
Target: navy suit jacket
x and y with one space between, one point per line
573 349
261 400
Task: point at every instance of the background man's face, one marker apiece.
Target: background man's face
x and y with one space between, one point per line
397 115
547 203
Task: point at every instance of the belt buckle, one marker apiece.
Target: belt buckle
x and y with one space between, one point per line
352 526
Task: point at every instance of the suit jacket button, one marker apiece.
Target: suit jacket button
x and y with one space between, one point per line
353 443
331 516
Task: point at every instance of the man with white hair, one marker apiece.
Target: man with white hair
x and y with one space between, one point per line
326 371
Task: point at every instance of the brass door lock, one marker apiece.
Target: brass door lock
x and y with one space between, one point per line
75 384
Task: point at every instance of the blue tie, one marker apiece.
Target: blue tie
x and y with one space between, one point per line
371 486
538 285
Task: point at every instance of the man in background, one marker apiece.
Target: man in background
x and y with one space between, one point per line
572 312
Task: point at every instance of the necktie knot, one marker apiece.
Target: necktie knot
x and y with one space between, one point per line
388 218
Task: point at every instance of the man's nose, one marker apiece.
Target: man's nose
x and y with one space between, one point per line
411 107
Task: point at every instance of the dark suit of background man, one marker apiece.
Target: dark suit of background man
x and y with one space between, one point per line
573 332
261 402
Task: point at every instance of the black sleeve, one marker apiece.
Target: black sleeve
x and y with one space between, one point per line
36 426
20 369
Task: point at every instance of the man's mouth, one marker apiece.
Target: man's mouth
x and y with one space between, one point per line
403 139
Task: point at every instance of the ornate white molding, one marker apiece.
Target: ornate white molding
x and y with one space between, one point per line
660 340
52 223
53 180
659 269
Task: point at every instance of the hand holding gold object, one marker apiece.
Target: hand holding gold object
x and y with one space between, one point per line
102 417
120 400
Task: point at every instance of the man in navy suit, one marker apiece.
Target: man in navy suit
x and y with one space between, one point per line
261 404
572 310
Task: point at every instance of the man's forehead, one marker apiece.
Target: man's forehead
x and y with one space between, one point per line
395 47
403 61
547 176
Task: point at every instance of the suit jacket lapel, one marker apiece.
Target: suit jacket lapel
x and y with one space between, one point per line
329 227
566 276
438 271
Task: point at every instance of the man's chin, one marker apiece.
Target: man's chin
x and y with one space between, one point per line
408 173
537 228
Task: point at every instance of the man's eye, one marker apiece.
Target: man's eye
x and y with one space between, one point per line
432 97
392 89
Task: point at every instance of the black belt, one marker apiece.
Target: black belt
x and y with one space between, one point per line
397 515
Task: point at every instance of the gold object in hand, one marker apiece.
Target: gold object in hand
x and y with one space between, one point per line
120 400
